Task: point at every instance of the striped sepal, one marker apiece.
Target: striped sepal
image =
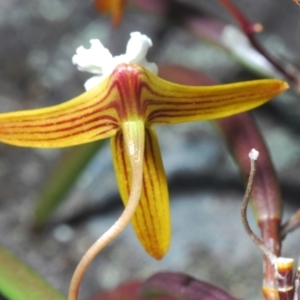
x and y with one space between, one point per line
88 117
170 103
151 221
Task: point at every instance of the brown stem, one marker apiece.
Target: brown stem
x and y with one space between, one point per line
297 282
272 257
270 292
105 239
291 224
241 133
250 29
245 24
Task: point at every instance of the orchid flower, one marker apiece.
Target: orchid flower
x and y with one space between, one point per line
124 99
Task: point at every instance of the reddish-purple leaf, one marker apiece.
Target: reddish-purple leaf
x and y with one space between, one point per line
181 286
126 291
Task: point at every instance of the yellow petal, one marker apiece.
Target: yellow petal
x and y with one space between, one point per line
151 221
88 117
169 103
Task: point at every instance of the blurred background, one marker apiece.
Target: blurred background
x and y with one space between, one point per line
37 41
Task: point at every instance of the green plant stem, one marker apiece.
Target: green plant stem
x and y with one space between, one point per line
62 179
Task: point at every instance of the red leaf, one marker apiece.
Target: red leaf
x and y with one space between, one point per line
183 287
126 291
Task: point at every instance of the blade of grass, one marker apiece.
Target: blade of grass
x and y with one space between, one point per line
62 180
19 282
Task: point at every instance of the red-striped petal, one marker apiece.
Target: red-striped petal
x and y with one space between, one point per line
151 221
169 103
86 118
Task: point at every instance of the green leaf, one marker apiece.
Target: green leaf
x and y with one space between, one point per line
62 179
19 282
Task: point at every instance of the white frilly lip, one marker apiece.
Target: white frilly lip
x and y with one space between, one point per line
99 61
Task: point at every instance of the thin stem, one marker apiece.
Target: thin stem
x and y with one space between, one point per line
245 223
283 266
297 2
107 237
292 224
297 282
249 29
134 138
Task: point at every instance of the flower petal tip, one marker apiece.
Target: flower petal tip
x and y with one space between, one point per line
285 86
281 87
160 255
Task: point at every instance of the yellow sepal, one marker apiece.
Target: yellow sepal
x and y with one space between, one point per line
151 220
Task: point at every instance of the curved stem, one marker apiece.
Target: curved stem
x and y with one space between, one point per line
272 257
134 136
